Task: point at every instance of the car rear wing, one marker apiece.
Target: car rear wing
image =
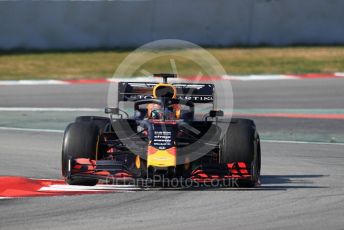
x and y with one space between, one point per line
197 93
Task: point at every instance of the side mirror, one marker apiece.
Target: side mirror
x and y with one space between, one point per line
109 110
216 113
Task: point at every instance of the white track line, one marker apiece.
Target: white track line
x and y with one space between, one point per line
259 77
268 141
75 188
31 130
339 74
301 142
151 78
34 82
42 109
58 180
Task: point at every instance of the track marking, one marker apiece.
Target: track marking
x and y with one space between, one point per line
294 115
32 130
18 187
34 82
339 74
76 188
186 78
300 142
259 77
42 109
271 141
331 114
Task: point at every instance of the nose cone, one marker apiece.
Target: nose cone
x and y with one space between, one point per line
161 158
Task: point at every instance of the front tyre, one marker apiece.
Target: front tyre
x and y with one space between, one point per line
241 144
80 141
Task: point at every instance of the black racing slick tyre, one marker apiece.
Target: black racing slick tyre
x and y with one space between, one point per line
102 122
80 141
241 144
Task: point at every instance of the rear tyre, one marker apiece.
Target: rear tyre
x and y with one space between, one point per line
241 144
80 141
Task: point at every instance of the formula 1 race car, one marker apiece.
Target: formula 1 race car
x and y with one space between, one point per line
155 130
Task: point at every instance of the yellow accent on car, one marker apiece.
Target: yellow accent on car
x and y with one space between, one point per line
162 158
138 162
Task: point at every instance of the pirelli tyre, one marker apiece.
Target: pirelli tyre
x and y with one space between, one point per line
241 144
80 141
103 123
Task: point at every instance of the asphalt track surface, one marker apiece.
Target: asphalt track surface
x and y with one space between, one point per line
313 93
302 183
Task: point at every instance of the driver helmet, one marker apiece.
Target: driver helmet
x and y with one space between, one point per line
157 114
151 107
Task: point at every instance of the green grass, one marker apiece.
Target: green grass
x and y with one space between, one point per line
237 61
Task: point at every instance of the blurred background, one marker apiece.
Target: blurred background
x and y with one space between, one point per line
88 39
